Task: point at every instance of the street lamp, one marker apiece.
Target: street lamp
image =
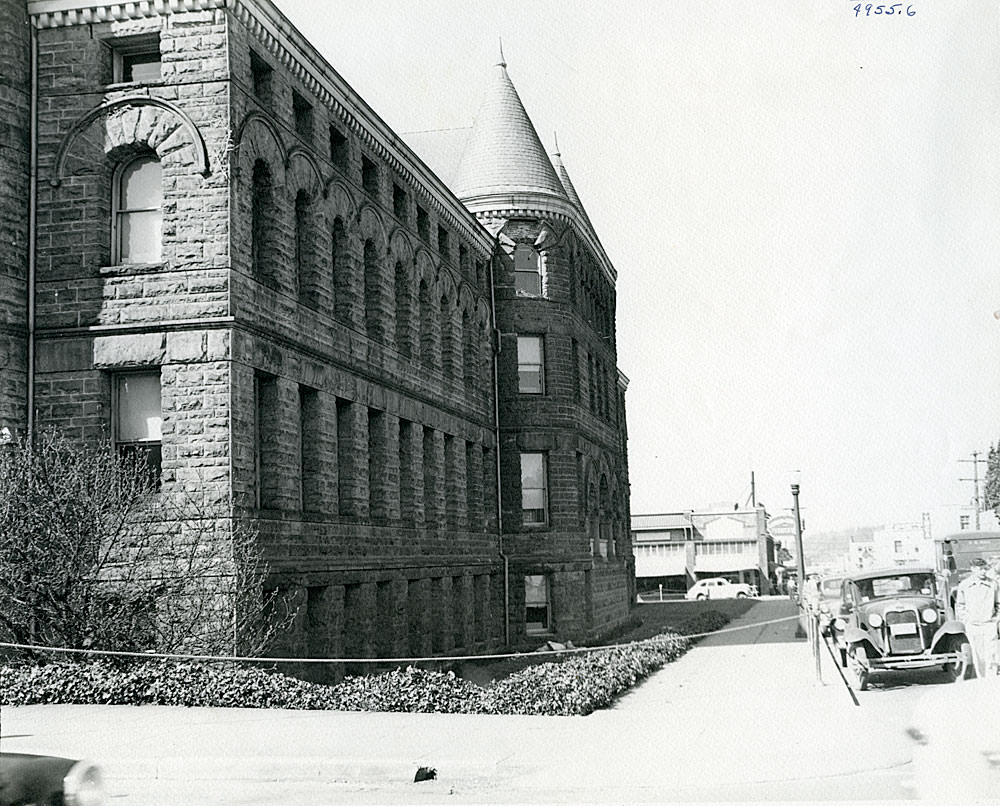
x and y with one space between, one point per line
798 529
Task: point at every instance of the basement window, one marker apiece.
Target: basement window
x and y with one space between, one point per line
537 605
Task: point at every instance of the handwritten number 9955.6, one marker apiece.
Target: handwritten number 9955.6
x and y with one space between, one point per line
870 9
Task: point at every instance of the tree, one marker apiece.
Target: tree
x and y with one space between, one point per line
94 555
991 482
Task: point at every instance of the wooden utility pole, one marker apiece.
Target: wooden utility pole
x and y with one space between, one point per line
975 461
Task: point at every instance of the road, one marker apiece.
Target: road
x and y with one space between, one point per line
739 718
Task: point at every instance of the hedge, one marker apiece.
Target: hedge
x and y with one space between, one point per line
578 683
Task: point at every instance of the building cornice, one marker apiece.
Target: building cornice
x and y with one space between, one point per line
294 52
541 205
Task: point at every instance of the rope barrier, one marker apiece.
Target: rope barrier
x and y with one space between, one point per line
438 658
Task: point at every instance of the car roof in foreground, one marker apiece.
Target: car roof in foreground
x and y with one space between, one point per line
891 572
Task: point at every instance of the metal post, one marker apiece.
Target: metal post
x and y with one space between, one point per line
816 653
798 537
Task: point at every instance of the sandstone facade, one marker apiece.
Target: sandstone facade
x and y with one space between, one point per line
328 322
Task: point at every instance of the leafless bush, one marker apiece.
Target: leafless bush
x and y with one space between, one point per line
94 555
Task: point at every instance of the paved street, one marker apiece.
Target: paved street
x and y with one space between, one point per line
739 718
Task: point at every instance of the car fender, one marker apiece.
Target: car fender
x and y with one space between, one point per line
854 635
944 634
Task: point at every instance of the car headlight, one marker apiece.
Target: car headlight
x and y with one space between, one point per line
83 786
839 624
929 614
875 620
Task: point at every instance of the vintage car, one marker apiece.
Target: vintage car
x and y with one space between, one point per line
719 588
33 780
898 618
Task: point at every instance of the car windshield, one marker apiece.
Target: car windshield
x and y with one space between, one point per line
831 586
895 585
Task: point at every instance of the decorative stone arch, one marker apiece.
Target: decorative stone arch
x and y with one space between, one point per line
404 292
424 268
343 276
591 503
135 120
379 312
302 173
310 246
260 173
451 325
257 138
615 516
471 338
483 324
428 306
604 528
96 146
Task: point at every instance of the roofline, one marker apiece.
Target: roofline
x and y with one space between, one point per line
540 205
305 62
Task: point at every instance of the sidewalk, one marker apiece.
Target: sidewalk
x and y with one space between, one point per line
730 712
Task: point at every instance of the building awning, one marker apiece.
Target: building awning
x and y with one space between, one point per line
721 563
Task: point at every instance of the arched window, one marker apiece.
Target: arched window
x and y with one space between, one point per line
403 293
374 324
341 280
305 276
430 350
262 223
138 211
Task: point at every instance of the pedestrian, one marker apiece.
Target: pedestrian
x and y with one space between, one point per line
977 606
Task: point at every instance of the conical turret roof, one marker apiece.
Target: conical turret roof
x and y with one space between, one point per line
566 182
504 154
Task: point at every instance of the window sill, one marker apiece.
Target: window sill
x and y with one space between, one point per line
132 268
130 85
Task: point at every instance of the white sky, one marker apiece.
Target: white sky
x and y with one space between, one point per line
802 207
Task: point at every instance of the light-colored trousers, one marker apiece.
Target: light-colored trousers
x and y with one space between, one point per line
983 638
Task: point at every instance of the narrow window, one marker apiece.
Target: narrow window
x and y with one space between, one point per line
310 453
444 247
423 223
369 176
137 60
534 490
537 606
302 111
531 365
260 75
267 436
304 270
399 207
338 267
138 211
262 221
338 148
527 271
138 418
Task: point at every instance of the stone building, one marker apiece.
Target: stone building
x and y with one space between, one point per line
238 268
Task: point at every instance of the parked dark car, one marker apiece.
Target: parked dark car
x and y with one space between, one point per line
898 619
31 780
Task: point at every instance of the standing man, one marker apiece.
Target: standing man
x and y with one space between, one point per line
977 606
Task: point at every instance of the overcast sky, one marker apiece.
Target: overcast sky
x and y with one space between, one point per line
802 206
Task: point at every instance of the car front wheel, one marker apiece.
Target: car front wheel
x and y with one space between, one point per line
960 669
700 596
741 595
